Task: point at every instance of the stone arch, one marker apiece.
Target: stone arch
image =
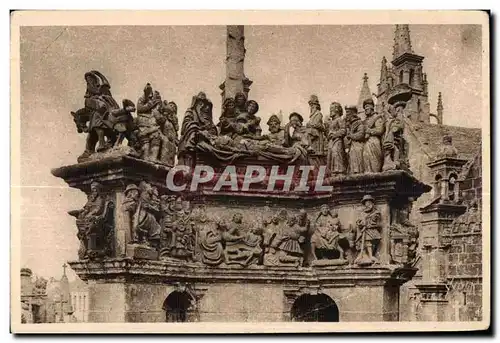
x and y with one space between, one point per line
437 183
180 306
314 308
452 186
412 77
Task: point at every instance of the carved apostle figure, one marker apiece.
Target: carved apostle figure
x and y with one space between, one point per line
183 237
169 127
149 131
315 127
336 131
355 140
248 122
374 131
394 144
240 103
276 133
368 235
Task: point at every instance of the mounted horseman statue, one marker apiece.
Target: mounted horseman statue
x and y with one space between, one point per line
102 118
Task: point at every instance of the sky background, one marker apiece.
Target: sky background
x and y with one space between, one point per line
286 63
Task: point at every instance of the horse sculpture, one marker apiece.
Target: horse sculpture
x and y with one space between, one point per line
105 123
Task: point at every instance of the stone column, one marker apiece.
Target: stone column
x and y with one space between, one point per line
235 59
122 225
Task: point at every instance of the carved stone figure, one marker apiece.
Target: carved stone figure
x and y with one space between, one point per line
248 124
447 149
374 131
368 234
283 245
144 210
149 136
394 144
227 121
403 239
210 241
328 243
169 127
108 124
276 133
335 133
197 126
40 286
95 224
296 136
242 245
240 102
355 140
181 242
315 127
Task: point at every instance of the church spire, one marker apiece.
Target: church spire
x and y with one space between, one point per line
402 42
365 93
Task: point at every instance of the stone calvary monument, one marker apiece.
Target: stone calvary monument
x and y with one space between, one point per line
150 254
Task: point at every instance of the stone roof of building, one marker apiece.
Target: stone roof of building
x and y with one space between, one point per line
466 140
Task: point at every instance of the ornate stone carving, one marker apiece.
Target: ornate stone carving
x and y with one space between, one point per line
169 127
336 131
355 140
40 286
329 245
178 234
284 238
95 223
368 233
374 131
242 244
105 123
276 133
148 110
315 127
143 207
394 143
447 150
210 240
403 239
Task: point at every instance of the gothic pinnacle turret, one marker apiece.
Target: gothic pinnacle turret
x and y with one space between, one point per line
365 93
402 42
439 109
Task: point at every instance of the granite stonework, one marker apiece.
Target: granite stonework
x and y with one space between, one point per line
139 280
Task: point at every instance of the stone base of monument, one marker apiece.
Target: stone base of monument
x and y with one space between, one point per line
328 263
124 290
128 283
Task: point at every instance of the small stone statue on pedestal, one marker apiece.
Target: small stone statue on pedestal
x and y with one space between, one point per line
394 144
315 127
95 225
368 234
336 131
149 137
355 139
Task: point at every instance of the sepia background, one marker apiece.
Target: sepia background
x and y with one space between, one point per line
286 63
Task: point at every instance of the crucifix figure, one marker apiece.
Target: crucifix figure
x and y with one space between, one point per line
64 268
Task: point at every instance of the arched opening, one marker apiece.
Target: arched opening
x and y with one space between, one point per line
452 187
412 76
437 186
314 308
401 76
178 307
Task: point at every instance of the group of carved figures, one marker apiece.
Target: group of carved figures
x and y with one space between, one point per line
351 145
152 134
347 144
174 229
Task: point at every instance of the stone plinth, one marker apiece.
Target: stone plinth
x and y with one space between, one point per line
130 282
126 290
